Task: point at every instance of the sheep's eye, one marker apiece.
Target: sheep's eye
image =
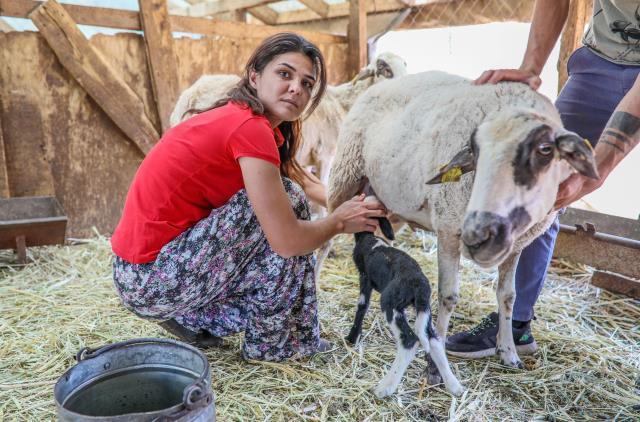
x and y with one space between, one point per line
545 149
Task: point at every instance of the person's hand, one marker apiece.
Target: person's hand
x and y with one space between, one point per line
357 215
573 188
494 76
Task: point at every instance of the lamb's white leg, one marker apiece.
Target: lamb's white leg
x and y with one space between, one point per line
506 294
435 348
448 290
404 356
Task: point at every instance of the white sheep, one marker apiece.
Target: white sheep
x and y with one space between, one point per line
507 137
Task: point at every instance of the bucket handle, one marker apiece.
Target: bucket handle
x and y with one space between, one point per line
193 397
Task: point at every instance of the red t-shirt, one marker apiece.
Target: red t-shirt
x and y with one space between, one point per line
189 172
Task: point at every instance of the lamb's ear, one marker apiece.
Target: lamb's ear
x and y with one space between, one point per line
463 162
386 228
578 152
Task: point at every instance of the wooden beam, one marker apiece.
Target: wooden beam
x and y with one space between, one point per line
334 11
127 19
265 14
616 283
212 7
318 6
161 57
357 36
4 176
5 27
579 15
94 74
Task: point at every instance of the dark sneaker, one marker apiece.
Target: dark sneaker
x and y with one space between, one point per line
480 341
202 338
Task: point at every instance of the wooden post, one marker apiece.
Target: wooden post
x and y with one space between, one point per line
579 15
357 35
94 74
154 19
4 176
21 249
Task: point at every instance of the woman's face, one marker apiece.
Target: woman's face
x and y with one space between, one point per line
284 86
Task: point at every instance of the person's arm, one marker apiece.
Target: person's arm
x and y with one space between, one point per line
619 137
287 235
314 189
548 19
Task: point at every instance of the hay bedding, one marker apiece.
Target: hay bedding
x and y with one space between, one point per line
587 368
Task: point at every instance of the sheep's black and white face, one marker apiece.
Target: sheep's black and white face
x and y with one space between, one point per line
521 159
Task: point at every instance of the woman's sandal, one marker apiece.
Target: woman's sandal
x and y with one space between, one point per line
202 338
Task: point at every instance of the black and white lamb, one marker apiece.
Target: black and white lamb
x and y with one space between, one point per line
401 283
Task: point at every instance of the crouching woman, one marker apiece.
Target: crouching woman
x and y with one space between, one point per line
215 236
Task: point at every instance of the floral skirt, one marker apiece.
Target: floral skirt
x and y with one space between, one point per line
222 276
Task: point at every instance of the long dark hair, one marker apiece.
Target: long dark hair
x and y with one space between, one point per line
244 93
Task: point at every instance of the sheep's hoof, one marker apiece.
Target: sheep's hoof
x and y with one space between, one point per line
457 389
384 390
352 339
432 374
511 361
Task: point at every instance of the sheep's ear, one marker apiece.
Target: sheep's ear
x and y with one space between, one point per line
365 73
383 69
463 162
578 152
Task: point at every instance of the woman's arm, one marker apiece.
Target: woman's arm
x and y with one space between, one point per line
287 235
314 189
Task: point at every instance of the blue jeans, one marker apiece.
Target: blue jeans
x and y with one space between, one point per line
591 94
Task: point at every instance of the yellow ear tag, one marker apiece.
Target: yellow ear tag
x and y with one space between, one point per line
451 175
586 141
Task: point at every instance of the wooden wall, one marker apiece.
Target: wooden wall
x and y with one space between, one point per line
58 141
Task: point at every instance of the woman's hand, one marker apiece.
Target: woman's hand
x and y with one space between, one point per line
357 215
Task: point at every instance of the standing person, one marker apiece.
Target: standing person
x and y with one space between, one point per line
215 236
601 74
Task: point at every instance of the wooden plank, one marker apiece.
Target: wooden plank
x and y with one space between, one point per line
93 73
616 283
265 14
161 56
318 6
357 36
334 11
208 8
579 15
127 19
4 175
5 27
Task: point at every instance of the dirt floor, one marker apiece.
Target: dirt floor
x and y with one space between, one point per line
587 367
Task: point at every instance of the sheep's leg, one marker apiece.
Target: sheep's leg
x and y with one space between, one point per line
321 255
506 293
448 289
433 347
407 345
363 306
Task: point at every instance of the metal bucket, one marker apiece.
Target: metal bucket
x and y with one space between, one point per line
138 380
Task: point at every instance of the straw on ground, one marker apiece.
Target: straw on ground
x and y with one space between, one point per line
587 368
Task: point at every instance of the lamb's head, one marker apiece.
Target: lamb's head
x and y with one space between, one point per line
520 158
386 66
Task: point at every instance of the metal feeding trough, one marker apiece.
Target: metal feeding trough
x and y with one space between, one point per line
31 221
139 380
